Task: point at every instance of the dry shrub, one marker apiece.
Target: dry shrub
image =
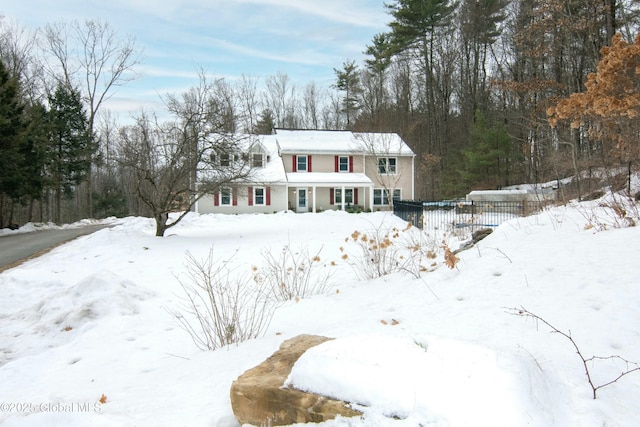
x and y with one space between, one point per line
293 273
221 306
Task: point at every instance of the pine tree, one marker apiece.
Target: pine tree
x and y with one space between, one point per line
11 135
266 123
348 81
487 160
71 143
34 156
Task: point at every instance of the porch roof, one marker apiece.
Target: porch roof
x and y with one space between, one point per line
328 179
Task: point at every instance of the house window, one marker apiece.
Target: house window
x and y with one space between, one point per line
225 197
257 160
301 163
225 159
343 164
381 196
387 165
259 196
348 196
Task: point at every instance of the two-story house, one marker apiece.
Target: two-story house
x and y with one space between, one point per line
312 170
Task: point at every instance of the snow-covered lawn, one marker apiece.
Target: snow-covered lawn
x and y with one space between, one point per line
91 320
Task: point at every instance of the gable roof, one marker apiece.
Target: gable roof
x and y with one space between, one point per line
272 170
340 142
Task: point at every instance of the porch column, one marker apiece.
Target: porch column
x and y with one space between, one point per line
342 198
313 189
286 190
371 197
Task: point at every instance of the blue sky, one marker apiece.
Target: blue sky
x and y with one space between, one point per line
305 39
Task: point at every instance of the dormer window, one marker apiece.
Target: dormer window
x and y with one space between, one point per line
257 160
226 159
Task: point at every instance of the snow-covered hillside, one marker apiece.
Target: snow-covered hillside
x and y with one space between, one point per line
91 320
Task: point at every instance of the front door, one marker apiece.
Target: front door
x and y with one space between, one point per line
302 200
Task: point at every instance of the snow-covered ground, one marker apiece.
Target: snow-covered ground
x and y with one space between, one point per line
91 320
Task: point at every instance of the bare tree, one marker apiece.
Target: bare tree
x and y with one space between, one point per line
248 94
280 99
17 50
312 101
385 149
175 163
226 101
89 55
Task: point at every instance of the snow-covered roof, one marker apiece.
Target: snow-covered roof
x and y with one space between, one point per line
341 142
272 170
323 178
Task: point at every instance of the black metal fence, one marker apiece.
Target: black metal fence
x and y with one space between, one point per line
461 214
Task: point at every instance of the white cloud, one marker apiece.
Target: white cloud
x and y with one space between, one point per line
351 12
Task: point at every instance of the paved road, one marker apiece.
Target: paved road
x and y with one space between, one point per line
16 248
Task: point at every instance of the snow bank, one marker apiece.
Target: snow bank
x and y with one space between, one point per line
57 318
446 382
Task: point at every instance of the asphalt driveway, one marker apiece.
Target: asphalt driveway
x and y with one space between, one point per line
19 247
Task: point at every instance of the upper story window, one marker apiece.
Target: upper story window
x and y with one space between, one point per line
387 165
226 159
302 164
257 160
343 164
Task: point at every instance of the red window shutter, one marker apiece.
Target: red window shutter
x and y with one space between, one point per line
268 196
355 196
295 163
234 194
250 196
309 163
216 199
350 163
331 196
337 164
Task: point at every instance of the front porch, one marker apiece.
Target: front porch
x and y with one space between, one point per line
314 192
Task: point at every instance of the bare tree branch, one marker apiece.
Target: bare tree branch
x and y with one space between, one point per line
631 366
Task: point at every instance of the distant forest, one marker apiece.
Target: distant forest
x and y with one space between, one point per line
487 93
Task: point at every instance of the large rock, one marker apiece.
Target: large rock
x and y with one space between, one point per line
259 398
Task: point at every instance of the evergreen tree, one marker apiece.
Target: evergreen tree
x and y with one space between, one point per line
419 33
11 134
348 81
71 143
266 123
34 156
487 160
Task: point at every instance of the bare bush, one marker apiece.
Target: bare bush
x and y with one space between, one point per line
612 211
293 273
587 363
221 306
380 252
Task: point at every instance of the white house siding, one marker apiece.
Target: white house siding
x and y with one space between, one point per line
321 149
278 199
403 179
